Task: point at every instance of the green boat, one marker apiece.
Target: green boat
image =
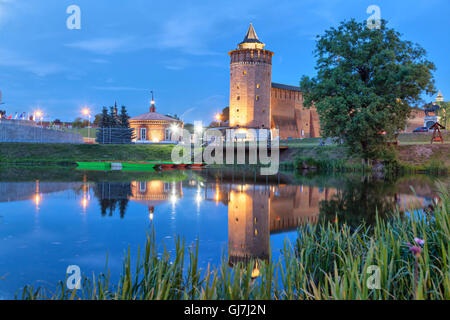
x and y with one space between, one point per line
124 166
94 165
137 166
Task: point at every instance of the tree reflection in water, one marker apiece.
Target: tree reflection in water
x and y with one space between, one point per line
113 196
359 201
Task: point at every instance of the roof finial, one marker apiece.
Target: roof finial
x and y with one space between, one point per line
152 104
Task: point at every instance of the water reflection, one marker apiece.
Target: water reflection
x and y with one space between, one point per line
256 208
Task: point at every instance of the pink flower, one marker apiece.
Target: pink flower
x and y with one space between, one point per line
415 250
419 241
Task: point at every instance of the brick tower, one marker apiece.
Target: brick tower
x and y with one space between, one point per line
250 83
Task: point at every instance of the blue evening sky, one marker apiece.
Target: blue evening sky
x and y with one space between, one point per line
178 48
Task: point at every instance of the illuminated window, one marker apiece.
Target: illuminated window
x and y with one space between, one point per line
257 98
238 98
257 86
244 72
238 87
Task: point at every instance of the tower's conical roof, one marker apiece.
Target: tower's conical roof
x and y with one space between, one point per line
440 97
251 40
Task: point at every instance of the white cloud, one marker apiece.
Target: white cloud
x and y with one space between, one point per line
5 10
42 69
104 46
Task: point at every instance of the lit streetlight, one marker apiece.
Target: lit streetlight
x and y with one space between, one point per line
87 112
38 115
219 118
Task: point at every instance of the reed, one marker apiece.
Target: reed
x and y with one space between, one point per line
327 261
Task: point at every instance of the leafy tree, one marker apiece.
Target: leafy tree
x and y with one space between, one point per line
79 123
444 113
189 127
225 116
98 119
367 81
105 121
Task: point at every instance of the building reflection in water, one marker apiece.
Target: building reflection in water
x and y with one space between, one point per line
255 210
154 193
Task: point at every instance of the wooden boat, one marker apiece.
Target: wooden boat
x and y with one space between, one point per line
197 165
166 164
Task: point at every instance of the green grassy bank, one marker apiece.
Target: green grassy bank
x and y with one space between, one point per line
31 153
409 158
329 260
304 154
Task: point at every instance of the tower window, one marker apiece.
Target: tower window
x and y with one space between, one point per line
257 98
238 98
257 86
244 72
238 87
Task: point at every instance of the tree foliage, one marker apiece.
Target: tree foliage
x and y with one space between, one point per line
367 81
444 113
114 127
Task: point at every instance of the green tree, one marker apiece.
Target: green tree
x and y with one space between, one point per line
104 125
189 127
444 113
114 117
128 133
79 123
367 81
98 119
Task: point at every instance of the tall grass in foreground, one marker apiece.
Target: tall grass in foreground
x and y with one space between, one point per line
328 261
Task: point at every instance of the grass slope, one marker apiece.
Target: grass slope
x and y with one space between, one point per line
70 153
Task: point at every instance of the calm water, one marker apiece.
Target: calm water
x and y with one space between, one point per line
53 218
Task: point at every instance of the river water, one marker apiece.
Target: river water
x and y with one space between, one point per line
56 217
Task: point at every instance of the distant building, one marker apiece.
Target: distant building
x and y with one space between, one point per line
153 127
425 117
257 103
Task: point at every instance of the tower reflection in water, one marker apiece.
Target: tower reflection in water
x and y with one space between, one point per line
256 211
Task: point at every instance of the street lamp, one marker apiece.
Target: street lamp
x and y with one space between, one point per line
38 115
219 118
87 112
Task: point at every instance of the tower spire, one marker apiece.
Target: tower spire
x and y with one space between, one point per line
439 97
251 40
